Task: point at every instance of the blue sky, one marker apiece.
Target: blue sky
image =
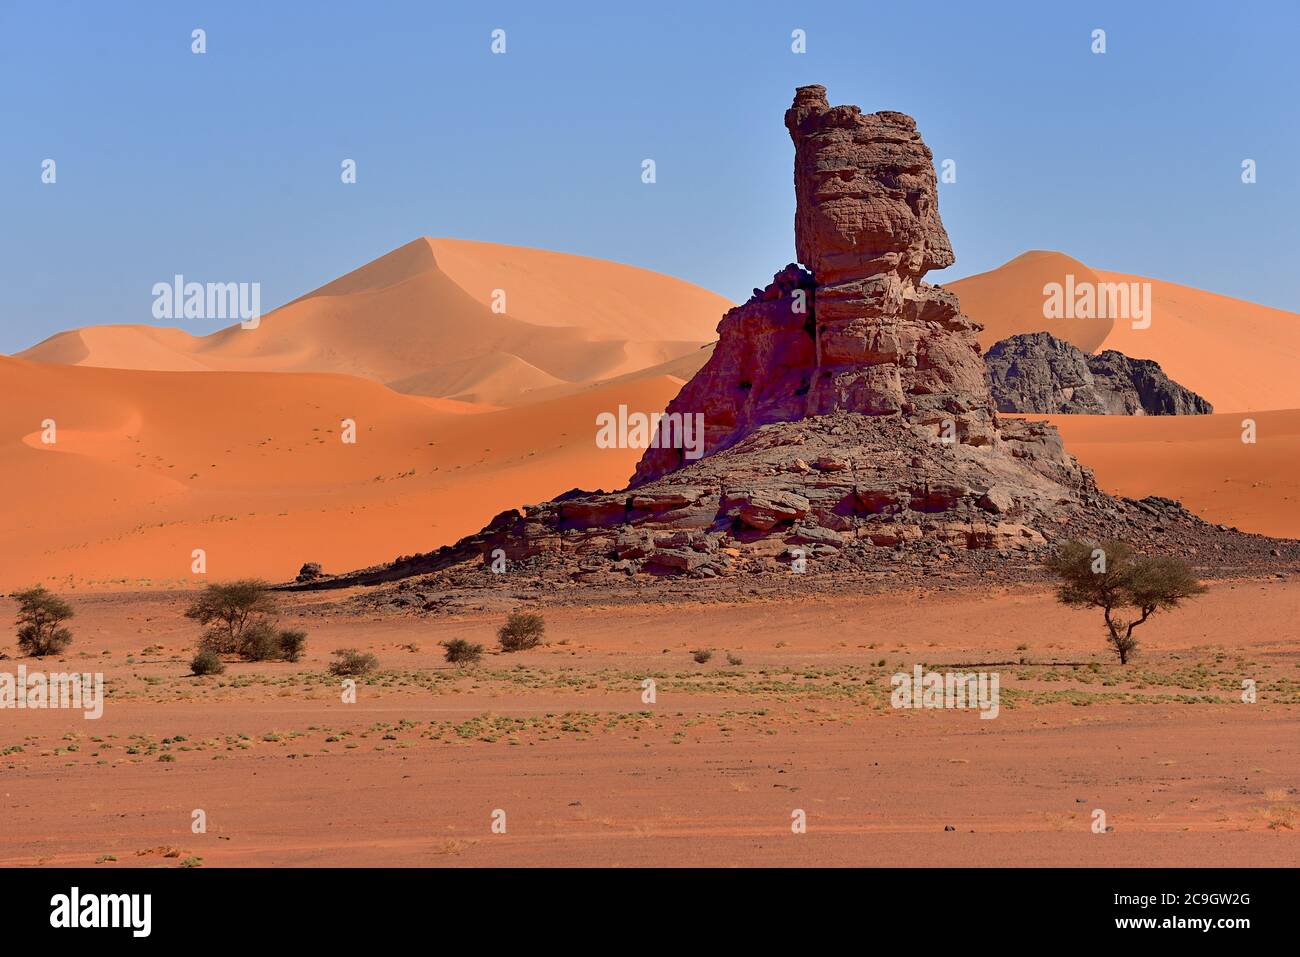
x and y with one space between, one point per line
225 166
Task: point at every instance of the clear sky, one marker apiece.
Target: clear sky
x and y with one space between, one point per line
226 166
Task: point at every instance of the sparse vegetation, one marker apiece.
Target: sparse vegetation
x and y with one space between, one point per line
240 620
458 651
40 622
259 642
207 662
701 655
734 660
350 663
1113 576
522 630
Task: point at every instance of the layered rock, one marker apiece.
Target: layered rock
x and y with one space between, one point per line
1037 372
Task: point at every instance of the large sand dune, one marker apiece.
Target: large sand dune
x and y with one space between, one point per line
251 467
1239 355
427 319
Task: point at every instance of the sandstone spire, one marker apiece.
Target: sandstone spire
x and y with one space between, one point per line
861 332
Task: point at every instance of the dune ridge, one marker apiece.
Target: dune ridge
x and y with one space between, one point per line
428 319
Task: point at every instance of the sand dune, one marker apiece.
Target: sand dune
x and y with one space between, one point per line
1009 300
421 319
1199 460
251 467
1239 355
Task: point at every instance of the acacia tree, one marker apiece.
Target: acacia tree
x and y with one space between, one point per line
234 612
1113 576
40 622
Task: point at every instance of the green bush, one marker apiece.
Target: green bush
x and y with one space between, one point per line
207 663
40 622
351 662
259 642
461 652
240 620
292 644
522 630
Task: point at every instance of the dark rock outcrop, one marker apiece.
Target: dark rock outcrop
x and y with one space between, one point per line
1036 372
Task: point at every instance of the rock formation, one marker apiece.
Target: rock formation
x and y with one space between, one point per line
861 332
848 418
1036 372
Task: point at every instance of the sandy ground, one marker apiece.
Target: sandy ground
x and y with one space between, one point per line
252 468
710 774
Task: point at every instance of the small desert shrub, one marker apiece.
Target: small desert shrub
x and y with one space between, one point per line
40 622
292 644
521 631
352 662
459 651
734 660
701 655
207 663
259 642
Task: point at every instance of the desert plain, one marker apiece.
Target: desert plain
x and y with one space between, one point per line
791 713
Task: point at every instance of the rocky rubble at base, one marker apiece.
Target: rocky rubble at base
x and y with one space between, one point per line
855 568
836 495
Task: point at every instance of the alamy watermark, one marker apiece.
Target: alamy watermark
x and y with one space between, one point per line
653 430
63 690
1098 300
179 299
952 689
74 909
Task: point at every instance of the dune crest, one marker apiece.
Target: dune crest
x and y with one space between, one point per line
448 318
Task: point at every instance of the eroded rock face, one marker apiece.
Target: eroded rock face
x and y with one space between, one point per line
866 196
860 332
1036 372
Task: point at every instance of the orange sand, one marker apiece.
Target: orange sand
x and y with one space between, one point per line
589 774
251 467
1199 460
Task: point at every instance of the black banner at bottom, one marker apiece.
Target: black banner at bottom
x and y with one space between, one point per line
300 906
